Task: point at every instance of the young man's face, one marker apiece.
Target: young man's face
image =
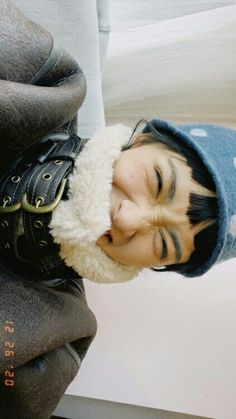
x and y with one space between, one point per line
149 201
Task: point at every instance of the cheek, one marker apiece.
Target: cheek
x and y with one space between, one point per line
130 179
131 184
137 252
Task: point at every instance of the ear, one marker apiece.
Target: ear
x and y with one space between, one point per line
140 139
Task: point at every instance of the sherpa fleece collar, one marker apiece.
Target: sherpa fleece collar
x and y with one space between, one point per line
78 222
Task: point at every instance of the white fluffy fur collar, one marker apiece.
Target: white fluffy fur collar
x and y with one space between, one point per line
78 222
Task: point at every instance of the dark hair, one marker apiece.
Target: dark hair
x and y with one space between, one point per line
201 208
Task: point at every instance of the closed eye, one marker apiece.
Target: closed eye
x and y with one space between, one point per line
159 182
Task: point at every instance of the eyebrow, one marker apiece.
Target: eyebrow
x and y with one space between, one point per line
173 235
172 187
177 246
178 249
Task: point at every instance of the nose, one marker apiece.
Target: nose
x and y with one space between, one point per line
130 218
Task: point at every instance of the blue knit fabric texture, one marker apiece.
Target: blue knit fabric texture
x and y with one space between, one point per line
216 147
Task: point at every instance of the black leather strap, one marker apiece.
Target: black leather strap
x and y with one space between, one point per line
29 192
53 58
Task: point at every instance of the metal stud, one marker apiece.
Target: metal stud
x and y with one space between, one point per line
7 245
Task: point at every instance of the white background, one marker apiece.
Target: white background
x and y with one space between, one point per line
165 341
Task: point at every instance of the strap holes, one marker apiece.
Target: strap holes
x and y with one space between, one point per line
38 224
4 223
42 243
47 176
15 179
58 162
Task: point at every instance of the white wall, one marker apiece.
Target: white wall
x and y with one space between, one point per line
178 68
164 341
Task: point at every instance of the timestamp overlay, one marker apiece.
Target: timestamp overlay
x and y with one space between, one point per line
8 374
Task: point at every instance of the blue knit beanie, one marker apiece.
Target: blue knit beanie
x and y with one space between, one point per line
216 147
